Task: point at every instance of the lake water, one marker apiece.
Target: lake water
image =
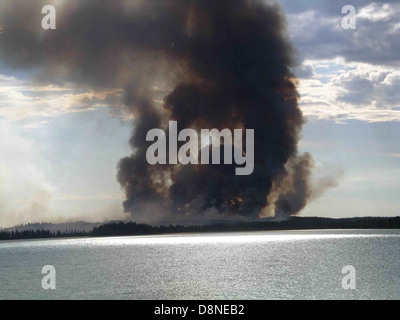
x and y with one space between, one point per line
260 265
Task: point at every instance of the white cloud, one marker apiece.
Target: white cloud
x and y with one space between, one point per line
346 91
317 33
21 100
376 12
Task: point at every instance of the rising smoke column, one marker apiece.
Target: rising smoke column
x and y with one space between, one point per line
204 63
237 61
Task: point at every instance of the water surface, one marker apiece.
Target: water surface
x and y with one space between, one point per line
254 265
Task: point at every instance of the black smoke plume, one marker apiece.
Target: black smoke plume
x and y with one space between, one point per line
204 63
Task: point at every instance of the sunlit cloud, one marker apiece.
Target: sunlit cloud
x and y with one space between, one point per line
20 100
376 12
342 91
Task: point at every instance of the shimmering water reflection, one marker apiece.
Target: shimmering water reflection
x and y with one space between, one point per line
260 265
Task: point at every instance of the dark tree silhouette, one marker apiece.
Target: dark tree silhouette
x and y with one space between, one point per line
134 229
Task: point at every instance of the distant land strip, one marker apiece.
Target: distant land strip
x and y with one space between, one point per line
136 229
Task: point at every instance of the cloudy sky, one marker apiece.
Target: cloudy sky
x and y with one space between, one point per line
349 83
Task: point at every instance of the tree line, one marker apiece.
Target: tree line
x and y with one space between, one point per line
40 234
134 229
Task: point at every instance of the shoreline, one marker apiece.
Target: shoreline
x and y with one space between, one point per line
293 224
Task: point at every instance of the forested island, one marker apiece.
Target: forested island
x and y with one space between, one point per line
137 229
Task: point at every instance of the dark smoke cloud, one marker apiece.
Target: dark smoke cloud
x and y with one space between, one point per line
204 63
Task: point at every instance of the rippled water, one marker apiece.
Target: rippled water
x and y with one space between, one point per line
261 265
